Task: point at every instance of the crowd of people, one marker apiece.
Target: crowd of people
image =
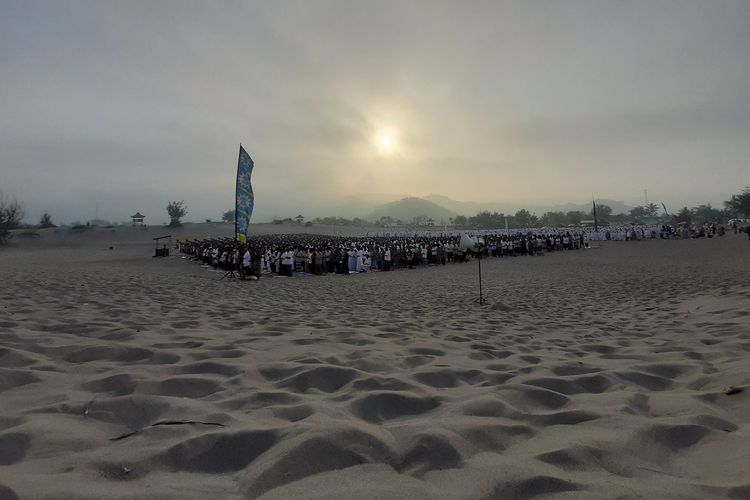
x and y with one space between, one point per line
685 230
299 254
291 254
682 230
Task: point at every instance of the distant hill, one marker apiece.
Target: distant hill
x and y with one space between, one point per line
408 208
350 207
373 206
462 207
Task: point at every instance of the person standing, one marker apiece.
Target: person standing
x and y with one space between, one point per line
223 260
246 263
287 262
449 251
352 254
360 262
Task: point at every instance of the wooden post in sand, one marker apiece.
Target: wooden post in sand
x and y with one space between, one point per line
479 263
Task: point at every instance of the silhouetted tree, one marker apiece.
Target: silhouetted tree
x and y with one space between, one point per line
740 203
603 212
176 211
45 221
11 215
684 215
638 212
487 220
523 218
554 219
652 209
575 216
706 213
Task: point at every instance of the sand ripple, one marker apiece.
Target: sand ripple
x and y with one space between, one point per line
590 375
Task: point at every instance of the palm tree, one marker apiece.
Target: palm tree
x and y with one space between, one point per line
652 209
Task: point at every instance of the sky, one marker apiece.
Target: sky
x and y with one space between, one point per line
108 108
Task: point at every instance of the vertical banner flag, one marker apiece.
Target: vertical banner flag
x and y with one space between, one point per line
245 198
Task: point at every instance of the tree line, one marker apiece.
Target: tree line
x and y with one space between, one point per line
11 217
737 206
12 214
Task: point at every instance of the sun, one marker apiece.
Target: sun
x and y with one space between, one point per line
385 142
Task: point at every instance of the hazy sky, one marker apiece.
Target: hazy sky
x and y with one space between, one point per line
129 104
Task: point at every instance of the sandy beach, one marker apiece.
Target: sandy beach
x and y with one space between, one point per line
594 374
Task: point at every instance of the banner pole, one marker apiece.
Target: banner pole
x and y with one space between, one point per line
236 195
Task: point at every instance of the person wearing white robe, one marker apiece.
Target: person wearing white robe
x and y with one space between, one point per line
287 262
366 259
360 257
352 260
246 261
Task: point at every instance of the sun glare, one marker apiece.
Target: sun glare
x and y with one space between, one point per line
385 142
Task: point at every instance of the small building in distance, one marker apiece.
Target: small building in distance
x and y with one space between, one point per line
300 219
137 219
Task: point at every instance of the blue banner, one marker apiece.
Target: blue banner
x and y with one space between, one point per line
245 198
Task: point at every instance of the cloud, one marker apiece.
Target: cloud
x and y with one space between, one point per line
130 104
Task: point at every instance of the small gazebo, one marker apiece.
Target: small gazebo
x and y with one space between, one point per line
137 219
300 218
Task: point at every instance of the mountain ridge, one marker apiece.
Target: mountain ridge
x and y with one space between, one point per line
407 209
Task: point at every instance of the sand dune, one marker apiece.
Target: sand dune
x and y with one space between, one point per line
590 374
